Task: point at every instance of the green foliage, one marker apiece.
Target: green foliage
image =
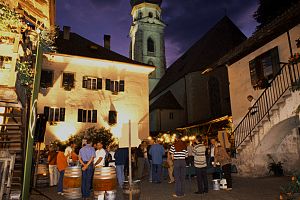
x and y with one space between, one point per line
275 167
96 135
48 37
268 10
10 20
25 73
292 187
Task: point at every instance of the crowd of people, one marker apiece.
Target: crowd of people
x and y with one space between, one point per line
150 160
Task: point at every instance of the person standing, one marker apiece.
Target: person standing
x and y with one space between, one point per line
61 164
157 152
200 166
151 142
121 158
222 157
142 159
70 151
52 159
171 167
100 155
179 153
86 158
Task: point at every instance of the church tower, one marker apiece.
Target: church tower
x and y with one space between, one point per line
147 37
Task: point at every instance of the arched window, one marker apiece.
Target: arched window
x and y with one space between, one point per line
215 96
140 15
150 14
150 63
150 45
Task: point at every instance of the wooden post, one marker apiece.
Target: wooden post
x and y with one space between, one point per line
130 164
36 165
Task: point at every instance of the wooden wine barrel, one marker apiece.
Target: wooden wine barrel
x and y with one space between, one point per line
105 179
72 182
42 179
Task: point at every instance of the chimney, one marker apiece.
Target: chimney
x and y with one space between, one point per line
66 30
107 42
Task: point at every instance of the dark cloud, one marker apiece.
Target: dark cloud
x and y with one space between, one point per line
187 20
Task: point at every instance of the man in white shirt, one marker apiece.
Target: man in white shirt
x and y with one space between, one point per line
68 151
99 161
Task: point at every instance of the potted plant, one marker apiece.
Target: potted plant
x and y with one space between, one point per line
275 167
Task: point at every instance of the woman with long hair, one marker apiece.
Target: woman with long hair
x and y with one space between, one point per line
178 153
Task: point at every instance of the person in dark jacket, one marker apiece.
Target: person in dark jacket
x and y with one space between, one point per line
121 158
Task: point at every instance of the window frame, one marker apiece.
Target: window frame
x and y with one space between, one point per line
68 86
55 114
92 83
50 84
87 116
150 46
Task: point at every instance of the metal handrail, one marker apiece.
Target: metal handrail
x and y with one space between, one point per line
287 77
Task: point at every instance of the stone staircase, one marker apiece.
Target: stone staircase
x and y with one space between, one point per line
272 132
12 139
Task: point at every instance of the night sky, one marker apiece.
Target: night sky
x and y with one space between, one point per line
187 20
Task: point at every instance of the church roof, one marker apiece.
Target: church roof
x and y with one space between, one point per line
166 101
221 38
79 46
136 2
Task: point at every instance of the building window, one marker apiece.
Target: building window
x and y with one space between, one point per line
89 116
214 96
5 62
171 115
53 114
92 83
114 86
263 68
140 15
112 117
150 14
46 79
150 45
68 81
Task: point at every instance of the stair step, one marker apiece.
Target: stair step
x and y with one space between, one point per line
11 115
11 141
9 125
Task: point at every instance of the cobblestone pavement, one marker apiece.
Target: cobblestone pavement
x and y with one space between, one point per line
267 188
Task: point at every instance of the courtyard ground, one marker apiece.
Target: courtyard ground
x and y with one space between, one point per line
267 188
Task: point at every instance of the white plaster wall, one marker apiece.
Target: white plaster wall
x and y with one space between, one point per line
133 104
8 76
239 73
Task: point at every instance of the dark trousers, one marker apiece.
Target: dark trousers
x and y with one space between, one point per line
60 181
227 174
156 173
86 181
202 179
179 174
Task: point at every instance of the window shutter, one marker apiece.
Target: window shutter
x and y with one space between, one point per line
62 114
122 86
107 84
275 60
84 82
83 115
56 118
253 72
94 117
112 86
79 115
51 115
99 83
112 117
89 116
46 112
117 86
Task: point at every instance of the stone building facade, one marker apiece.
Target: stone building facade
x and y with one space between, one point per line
84 85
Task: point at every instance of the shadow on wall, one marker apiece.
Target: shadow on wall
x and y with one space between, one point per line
282 142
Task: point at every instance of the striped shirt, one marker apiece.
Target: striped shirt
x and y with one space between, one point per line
178 155
199 156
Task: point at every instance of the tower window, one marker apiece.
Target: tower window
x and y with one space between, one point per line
150 45
140 15
150 14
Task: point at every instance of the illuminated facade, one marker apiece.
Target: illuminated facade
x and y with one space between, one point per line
147 37
82 88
